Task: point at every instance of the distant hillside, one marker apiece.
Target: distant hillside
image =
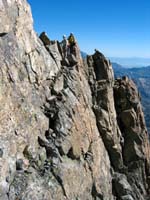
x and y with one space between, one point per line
141 77
83 54
131 62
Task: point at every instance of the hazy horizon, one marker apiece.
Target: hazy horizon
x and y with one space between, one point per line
131 61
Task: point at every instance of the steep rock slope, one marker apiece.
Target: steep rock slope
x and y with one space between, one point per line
62 132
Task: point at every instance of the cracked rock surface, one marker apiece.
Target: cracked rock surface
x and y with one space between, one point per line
66 132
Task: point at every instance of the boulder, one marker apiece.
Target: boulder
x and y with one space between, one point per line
46 41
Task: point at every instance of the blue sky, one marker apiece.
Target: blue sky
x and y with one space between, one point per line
118 28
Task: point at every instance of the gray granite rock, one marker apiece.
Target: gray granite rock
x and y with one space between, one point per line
65 131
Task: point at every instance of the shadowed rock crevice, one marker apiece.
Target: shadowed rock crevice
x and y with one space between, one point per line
3 34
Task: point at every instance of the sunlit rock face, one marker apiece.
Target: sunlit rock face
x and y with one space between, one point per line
66 131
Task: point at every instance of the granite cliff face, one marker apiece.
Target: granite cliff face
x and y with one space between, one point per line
66 132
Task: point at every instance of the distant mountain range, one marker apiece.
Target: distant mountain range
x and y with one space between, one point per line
141 76
83 54
131 62
127 62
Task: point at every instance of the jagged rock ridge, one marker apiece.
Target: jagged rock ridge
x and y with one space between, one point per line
66 133
141 77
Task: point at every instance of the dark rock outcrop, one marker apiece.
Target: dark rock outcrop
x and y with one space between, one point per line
141 77
67 132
